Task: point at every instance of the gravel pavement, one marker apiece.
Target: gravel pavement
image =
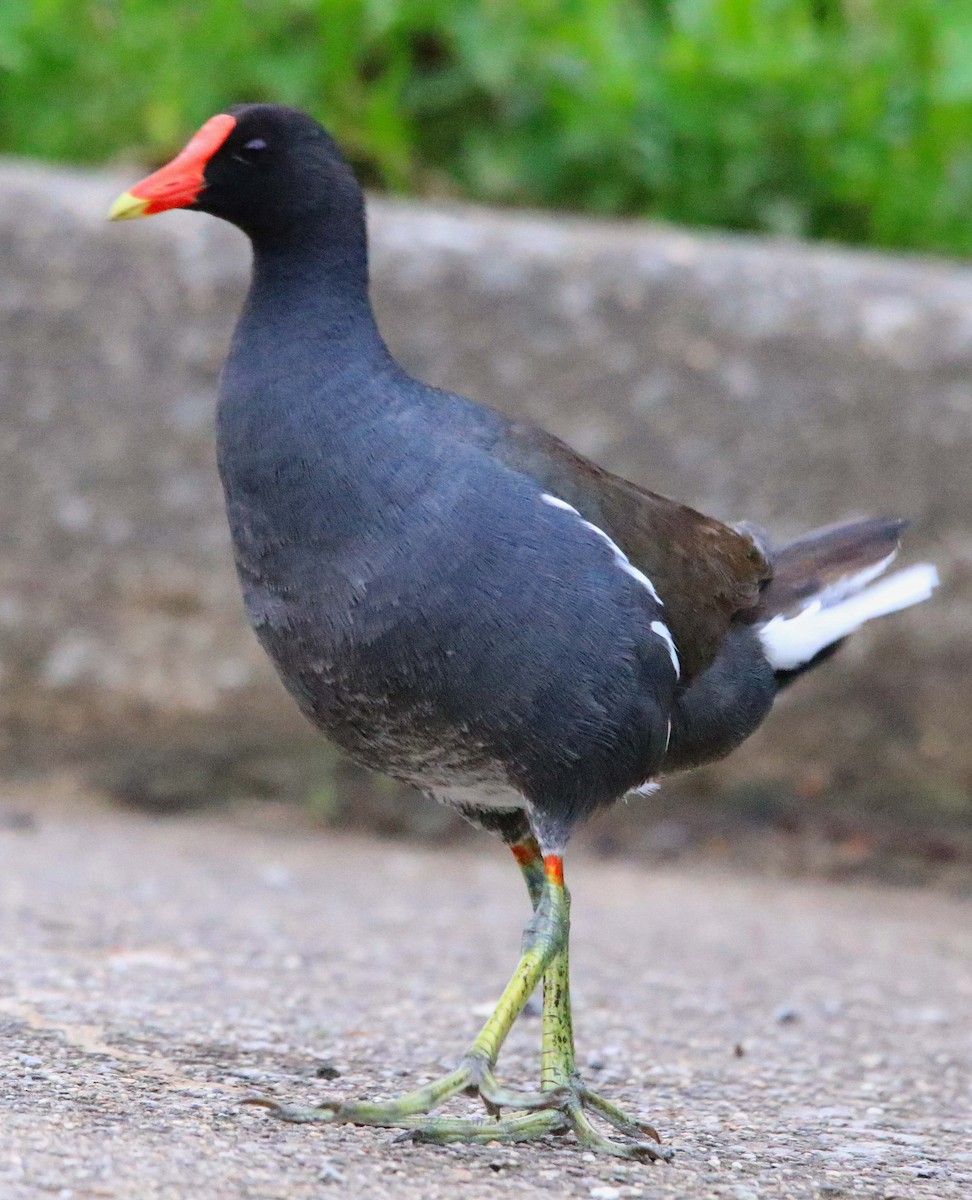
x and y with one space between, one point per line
789 1040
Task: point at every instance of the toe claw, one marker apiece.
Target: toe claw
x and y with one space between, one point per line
648 1130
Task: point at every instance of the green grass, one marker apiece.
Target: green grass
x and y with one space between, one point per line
845 119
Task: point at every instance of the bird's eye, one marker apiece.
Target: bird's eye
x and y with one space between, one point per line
251 151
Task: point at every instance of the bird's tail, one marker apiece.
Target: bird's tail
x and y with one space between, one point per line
823 589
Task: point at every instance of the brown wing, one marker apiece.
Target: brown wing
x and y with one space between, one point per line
705 572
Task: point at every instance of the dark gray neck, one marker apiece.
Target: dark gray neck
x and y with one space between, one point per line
308 307
307 379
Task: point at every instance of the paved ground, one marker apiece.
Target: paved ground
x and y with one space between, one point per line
788 1040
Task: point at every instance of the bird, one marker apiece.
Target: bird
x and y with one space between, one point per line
462 601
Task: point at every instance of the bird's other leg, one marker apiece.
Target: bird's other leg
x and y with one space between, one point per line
529 858
557 1068
557 1049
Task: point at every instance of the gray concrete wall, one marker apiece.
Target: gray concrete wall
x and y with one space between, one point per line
790 385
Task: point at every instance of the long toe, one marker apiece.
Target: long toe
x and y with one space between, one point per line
519 1127
393 1113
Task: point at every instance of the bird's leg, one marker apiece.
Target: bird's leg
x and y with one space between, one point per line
557 1040
559 1106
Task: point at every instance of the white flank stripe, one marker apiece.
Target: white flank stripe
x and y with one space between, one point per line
619 555
622 560
789 642
663 632
625 563
556 502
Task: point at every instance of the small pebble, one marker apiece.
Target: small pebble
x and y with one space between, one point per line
603 1192
786 1015
328 1173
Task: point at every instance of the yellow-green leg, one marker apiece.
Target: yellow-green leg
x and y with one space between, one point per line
558 1107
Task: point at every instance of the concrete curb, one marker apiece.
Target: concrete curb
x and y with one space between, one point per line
790 385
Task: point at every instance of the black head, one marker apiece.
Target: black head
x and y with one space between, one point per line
266 168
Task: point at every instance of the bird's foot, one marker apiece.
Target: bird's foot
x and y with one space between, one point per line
554 1110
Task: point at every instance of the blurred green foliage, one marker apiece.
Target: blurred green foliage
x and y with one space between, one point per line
846 119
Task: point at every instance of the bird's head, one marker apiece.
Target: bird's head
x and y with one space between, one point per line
263 167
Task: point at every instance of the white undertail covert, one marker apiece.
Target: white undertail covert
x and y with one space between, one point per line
791 640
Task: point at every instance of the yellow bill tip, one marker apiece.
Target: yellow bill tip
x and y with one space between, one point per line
127 207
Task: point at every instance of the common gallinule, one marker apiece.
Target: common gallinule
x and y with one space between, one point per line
462 601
